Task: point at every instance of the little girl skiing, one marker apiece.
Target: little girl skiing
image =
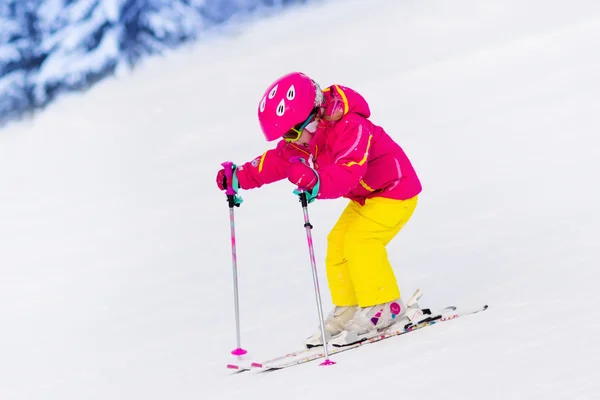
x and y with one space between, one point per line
329 147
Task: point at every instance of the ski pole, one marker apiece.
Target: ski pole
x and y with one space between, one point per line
234 200
308 226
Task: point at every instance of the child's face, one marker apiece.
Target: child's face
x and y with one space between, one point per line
305 138
307 133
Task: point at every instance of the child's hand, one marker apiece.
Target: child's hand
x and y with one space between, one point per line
302 175
222 182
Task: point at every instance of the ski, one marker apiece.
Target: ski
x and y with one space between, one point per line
308 355
240 366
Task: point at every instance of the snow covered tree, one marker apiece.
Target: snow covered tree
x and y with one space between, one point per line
53 46
18 56
152 26
81 43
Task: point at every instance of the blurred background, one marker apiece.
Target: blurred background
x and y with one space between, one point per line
51 47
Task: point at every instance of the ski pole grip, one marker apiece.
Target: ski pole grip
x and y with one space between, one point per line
303 198
306 196
228 166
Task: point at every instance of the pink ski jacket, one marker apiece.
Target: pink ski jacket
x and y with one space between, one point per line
355 158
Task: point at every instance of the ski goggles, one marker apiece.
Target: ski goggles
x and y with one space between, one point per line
294 134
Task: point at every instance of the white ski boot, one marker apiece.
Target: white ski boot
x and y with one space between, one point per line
334 325
369 322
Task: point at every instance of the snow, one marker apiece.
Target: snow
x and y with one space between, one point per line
115 258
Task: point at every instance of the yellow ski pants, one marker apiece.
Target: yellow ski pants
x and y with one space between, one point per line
358 269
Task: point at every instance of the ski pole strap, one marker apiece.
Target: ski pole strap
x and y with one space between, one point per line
232 192
311 195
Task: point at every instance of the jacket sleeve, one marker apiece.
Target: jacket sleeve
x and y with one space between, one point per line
267 168
350 150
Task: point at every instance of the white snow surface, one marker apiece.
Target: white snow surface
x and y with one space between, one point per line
115 259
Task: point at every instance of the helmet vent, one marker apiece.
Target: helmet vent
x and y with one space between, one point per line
262 104
273 92
281 108
291 93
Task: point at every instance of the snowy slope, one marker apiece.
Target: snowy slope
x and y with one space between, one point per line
115 268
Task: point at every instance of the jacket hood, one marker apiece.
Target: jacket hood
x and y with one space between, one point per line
340 100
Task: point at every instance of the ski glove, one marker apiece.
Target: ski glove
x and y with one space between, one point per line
302 175
222 182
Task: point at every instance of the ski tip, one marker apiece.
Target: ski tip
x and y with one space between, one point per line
256 365
231 366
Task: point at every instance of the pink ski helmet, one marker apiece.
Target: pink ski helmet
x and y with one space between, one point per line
287 102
